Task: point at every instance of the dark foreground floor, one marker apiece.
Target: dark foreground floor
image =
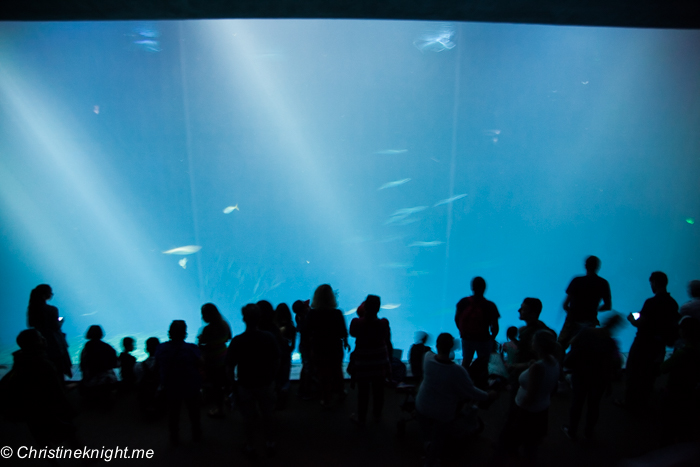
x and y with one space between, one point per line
311 437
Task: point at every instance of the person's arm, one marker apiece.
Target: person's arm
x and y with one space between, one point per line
389 346
458 313
607 299
494 323
567 304
466 387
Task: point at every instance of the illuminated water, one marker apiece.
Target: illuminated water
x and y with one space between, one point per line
394 158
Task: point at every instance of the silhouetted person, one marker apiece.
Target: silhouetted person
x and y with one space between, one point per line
180 364
44 318
445 390
416 355
477 321
149 401
127 362
38 393
371 358
528 419
692 307
97 362
212 343
583 301
328 336
529 312
301 313
681 405
283 321
656 328
509 350
256 355
594 360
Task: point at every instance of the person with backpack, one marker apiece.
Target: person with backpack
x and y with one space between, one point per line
657 327
477 321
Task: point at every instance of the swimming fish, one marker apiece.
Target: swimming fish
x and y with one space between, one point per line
96 109
449 200
347 313
402 214
183 250
492 132
393 184
231 209
426 244
389 152
89 314
390 306
183 263
584 82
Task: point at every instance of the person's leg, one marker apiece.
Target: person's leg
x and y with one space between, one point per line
248 407
192 405
578 398
595 395
362 399
174 420
377 397
266 401
479 370
568 331
468 350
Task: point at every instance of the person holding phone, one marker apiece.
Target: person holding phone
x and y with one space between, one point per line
657 327
44 318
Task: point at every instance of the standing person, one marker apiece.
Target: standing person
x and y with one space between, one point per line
212 343
594 359
582 304
657 326
179 363
256 355
301 314
44 318
692 307
127 364
529 312
528 419
477 321
283 320
371 358
97 362
328 336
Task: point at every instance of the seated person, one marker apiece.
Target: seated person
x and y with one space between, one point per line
97 362
416 355
445 390
509 351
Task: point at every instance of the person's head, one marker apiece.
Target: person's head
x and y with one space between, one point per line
210 313
512 333
178 330
94 333
445 343
592 265
324 298
152 344
689 329
658 281
31 340
694 288
267 314
530 310
40 294
372 304
544 343
282 315
128 344
251 315
420 337
300 307
478 286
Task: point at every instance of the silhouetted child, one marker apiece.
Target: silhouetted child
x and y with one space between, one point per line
416 354
509 351
127 362
149 401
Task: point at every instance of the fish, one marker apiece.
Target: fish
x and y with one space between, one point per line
183 263
450 200
426 244
390 306
183 250
584 82
492 132
231 209
96 109
349 312
395 183
410 220
89 314
408 211
389 152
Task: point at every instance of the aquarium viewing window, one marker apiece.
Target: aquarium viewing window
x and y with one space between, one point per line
147 168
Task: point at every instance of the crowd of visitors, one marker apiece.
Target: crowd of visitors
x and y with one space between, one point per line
251 371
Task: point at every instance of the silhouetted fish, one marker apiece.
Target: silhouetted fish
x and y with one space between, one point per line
389 152
450 200
394 184
231 209
183 250
426 244
390 306
183 263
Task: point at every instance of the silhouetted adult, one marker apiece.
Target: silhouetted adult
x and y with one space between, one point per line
180 364
529 311
149 401
582 304
416 355
39 397
44 318
593 360
445 389
656 328
328 336
301 313
371 358
283 321
212 343
528 419
97 362
256 355
692 307
127 364
477 321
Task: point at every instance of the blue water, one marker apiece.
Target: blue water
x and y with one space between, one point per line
385 157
